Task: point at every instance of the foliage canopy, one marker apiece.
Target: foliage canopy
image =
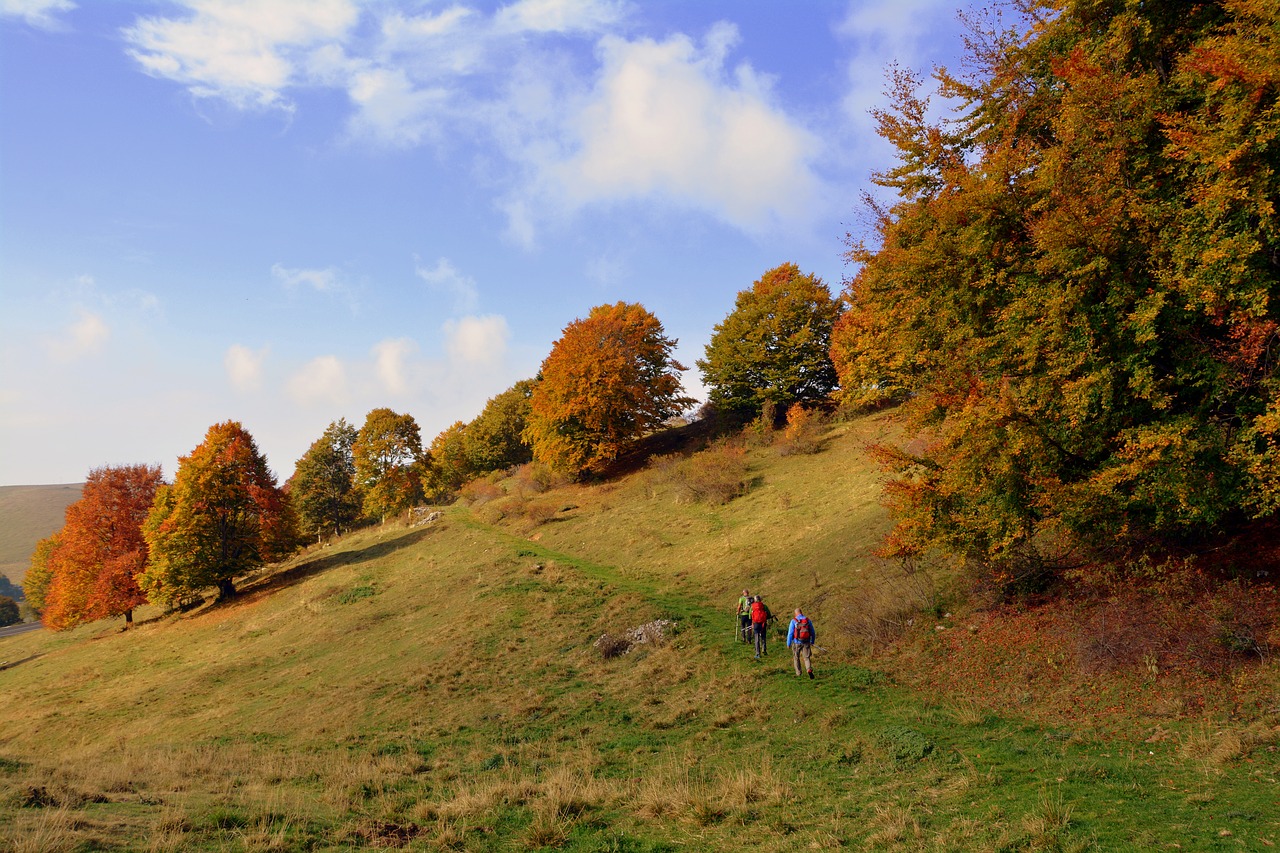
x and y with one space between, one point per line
774 347
1078 285
223 516
322 488
388 463
608 380
93 561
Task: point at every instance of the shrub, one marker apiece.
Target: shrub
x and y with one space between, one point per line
801 432
480 491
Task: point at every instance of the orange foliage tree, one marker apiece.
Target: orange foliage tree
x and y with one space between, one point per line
223 515
608 380
93 563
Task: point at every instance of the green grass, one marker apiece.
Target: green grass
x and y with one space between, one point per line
27 515
438 688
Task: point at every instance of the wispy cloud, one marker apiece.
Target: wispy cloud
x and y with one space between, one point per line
85 336
324 280
446 278
42 14
244 367
878 35
671 121
558 16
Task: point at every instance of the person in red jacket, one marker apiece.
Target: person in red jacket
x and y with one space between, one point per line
760 619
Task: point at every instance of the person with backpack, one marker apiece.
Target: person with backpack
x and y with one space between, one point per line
744 616
760 619
800 637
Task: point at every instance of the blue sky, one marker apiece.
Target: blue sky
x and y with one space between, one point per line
284 212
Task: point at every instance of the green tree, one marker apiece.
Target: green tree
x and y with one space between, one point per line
389 463
1078 285
322 489
9 613
35 584
608 380
494 439
223 516
774 347
450 465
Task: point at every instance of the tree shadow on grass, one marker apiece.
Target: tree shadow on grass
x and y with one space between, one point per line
269 584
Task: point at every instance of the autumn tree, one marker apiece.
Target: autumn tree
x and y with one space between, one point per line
1078 286
389 463
223 516
322 489
35 584
450 467
9 612
774 347
608 380
93 563
494 439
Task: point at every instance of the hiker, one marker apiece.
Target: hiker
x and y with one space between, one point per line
800 637
760 619
744 616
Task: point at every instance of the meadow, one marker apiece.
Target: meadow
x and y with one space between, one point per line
468 684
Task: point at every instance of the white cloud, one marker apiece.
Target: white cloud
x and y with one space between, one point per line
477 340
391 364
557 16
244 367
401 33
445 277
37 13
390 108
243 51
666 121
321 380
670 121
83 337
325 280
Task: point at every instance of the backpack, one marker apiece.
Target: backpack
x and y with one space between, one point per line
758 612
803 632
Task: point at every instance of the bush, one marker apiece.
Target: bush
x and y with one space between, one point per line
801 432
481 491
715 476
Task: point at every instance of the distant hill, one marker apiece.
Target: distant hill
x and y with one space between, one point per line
27 515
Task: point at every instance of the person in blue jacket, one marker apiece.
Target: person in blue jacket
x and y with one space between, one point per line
800 637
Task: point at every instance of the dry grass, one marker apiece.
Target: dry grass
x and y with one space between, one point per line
47 830
893 824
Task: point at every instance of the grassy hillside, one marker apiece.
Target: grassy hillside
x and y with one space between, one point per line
442 687
27 515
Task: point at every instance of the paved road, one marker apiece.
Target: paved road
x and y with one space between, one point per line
22 628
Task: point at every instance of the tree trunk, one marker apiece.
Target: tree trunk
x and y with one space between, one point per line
128 619
226 588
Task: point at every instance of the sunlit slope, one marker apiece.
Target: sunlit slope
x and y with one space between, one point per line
438 688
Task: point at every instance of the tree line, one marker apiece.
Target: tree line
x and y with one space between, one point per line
609 380
1074 298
